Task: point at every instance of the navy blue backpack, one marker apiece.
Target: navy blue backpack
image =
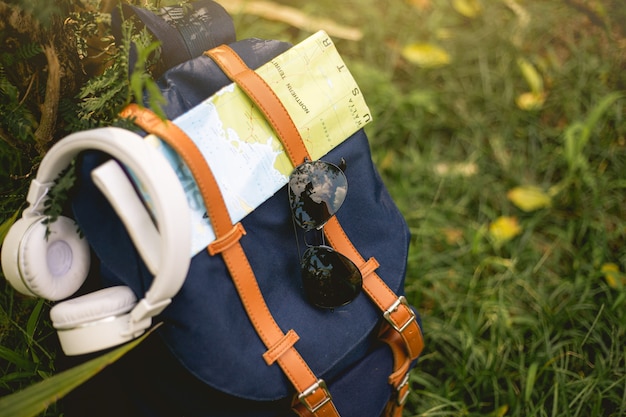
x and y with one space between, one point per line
226 350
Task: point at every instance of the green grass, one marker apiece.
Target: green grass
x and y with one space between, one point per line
528 326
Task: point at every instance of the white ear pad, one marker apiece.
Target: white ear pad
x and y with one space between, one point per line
94 321
52 267
93 307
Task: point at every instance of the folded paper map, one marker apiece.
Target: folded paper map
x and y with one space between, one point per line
245 156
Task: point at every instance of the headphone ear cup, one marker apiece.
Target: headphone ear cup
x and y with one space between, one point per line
50 261
93 307
94 321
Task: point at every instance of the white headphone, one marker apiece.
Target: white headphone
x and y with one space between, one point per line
55 267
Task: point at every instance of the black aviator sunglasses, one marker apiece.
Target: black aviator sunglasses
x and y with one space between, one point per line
317 190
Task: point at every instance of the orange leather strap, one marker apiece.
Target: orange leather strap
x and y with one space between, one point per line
188 151
399 316
401 330
314 399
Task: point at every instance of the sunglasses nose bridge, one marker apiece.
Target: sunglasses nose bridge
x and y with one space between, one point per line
314 237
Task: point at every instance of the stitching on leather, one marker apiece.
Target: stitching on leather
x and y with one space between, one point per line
243 261
280 347
368 267
277 126
227 240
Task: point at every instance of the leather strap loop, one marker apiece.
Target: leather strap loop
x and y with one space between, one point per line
369 267
276 351
224 242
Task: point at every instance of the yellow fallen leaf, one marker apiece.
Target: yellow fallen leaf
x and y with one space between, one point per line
531 75
530 101
504 228
468 8
500 412
612 275
529 198
534 99
426 55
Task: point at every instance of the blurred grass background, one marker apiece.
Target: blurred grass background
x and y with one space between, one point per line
499 130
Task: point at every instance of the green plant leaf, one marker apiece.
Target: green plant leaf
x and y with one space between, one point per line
4 227
16 359
500 411
577 135
530 380
35 399
33 319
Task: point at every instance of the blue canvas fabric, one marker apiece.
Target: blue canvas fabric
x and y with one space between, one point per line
207 359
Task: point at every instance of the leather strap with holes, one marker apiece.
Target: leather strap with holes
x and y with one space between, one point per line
400 330
313 397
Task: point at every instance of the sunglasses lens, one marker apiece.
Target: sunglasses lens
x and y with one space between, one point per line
316 191
329 279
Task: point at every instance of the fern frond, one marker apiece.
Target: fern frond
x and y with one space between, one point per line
59 194
16 119
28 51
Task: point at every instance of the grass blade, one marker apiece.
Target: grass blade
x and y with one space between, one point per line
5 226
530 381
33 319
16 359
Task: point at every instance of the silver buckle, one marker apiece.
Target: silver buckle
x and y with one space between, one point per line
405 381
394 308
320 384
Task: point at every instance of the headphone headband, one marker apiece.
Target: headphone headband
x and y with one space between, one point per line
171 211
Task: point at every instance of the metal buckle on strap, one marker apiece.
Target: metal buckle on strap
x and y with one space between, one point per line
320 384
394 307
401 398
